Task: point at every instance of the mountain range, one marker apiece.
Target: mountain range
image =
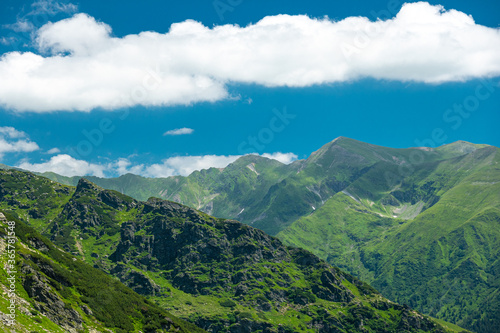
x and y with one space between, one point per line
419 224
221 275
270 195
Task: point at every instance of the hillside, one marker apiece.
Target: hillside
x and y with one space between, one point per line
434 227
55 292
220 274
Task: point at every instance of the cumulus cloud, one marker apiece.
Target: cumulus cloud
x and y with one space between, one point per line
81 35
123 166
179 131
11 132
82 66
17 146
14 141
65 165
179 165
185 165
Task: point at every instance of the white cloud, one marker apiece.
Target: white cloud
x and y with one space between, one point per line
39 13
11 132
86 67
185 165
22 25
33 17
285 158
179 165
51 7
65 165
81 35
17 146
53 151
14 141
123 166
179 131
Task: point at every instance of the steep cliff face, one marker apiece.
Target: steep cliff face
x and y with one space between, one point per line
200 255
91 211
46 300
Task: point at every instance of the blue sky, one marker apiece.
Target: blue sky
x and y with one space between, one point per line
270 98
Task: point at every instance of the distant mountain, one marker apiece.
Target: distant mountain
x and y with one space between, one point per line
266 193
222 275
236 191
428 236
55 292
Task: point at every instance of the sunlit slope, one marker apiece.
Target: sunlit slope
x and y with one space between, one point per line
435 227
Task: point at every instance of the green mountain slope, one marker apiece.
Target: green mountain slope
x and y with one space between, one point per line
224 192
348 201
267 194
429 238
55 292
222 275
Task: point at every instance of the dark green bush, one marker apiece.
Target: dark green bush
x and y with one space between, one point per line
245 315
227 303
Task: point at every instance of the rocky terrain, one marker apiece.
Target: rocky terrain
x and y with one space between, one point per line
222 275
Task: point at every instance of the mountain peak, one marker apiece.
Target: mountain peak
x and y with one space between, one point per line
342 139
343 148
339 138
85 184
461 147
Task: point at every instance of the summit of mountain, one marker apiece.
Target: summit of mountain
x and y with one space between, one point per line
459 148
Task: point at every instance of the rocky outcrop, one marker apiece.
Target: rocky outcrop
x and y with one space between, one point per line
138 281
242 325
90 209
48 302
205 256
